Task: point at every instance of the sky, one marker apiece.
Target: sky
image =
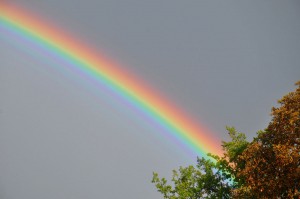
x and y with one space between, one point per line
225 63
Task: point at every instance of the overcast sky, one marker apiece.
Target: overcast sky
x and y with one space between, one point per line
223 62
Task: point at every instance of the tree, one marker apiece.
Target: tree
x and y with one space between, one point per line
272 160
268 167
211 179
191 182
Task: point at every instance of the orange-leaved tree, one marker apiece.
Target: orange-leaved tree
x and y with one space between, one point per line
272 160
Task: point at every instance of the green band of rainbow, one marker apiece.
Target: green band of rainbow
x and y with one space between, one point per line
195 137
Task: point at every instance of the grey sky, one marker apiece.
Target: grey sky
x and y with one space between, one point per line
224 62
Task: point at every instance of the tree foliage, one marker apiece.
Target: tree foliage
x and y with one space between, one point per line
268 167
272 168
211 178
190 182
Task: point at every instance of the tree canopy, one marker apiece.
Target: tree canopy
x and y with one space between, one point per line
272 160
267 167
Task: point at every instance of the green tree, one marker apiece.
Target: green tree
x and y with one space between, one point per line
191 182
215 178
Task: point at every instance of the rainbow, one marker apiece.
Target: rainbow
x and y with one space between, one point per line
125 85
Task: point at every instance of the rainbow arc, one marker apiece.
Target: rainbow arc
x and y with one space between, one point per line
124 84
